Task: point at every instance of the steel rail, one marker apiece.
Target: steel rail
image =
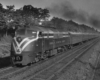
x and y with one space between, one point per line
4 69
69 63
96 64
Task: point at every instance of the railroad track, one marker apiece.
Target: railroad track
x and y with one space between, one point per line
96 70
4 69
45 70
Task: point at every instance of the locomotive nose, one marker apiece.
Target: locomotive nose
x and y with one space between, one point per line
18 50
19 39
17 58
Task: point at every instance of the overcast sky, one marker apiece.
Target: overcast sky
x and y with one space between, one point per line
61 7
91 6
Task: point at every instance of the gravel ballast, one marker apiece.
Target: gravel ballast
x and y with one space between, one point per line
83 68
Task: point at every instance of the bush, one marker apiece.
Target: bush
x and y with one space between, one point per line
5 46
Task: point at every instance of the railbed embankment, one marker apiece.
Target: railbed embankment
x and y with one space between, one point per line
5 46
83 68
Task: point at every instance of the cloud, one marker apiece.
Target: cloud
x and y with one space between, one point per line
67 11
94 20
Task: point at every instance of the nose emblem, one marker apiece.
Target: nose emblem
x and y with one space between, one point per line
18 50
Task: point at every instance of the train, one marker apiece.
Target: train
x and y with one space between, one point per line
38 43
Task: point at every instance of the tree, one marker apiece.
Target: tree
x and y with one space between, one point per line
1 6
35 12
44 13
10 7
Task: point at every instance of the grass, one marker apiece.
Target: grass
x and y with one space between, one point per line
5 46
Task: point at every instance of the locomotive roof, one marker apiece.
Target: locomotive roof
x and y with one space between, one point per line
44 29
50 30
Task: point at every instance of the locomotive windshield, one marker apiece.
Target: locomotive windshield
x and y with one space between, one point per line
26 33
20 32
31 33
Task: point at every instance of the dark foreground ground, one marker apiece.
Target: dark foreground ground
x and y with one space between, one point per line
5 62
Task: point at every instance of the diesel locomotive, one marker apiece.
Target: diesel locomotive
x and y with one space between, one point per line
37 43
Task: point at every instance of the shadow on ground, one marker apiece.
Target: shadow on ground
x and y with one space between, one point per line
5 62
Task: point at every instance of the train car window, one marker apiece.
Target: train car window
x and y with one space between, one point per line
40 33
51 35
31 33
45 34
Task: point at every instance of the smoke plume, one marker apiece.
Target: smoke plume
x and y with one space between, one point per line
67 11
95 21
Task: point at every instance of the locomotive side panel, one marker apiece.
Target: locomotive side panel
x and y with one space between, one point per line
62 41
28 54
76 39
48 43
39 45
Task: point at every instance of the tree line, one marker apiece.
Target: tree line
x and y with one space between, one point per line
11 19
